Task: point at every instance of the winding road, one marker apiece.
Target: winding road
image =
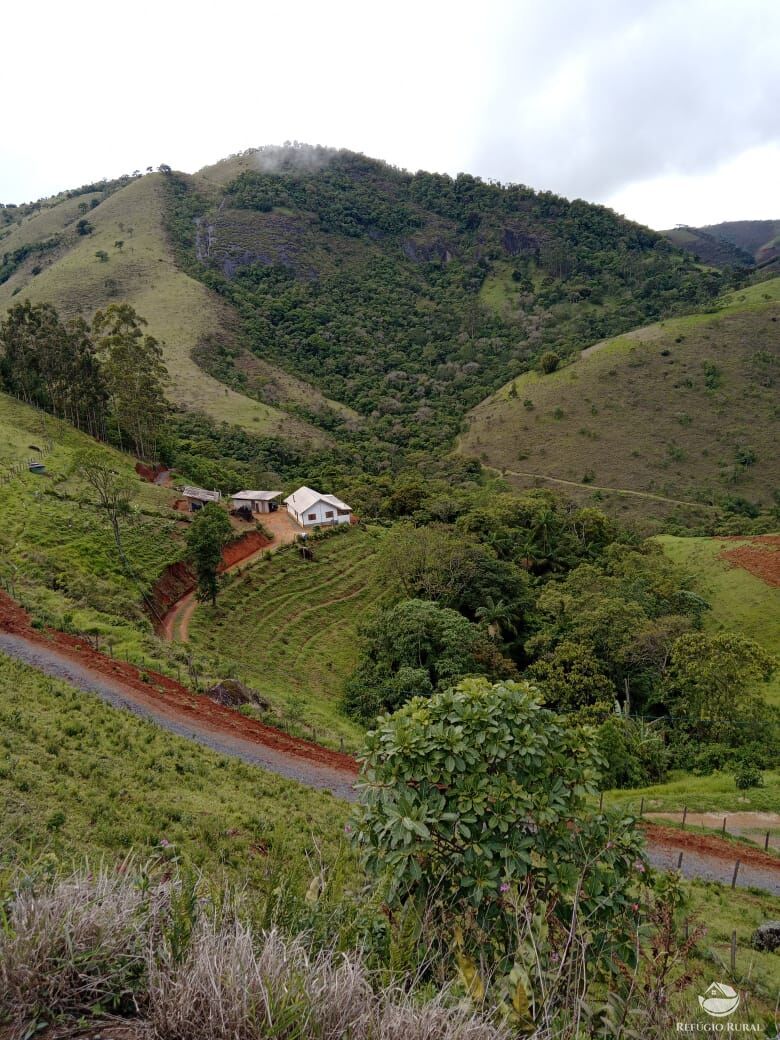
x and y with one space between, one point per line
196 717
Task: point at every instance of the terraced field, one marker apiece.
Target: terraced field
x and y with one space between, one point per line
288 628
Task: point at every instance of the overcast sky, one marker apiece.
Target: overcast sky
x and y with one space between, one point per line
667 110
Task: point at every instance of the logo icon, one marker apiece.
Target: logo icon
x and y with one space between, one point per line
720 1000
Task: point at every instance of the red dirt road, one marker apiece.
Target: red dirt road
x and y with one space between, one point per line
172 705
196 717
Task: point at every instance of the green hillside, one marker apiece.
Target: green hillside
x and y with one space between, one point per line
410 297
56 549
81 779
733 243
181 312
680 411
289 628
740 601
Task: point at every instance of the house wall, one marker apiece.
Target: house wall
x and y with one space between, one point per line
319 513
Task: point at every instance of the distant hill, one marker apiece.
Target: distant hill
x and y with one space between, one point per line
737 243
327 297
46 259
680 411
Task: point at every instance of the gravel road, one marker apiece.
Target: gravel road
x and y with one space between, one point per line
60 666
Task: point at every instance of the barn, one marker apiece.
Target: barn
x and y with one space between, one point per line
256 501
199 497
309 507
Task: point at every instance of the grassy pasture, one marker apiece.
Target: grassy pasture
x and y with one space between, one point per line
81 779
181 312
739 601
57 550
663 410
289 629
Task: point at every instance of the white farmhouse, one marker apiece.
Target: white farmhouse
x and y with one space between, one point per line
309 507
255 501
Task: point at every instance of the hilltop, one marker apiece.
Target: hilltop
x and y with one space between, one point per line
735 243
325 297
682 411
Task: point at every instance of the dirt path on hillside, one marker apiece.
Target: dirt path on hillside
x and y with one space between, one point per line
172 705
598 487
175 708
175 625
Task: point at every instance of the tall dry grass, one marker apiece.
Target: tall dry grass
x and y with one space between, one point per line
194 970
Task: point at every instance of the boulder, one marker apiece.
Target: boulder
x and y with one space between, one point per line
232 694
767 937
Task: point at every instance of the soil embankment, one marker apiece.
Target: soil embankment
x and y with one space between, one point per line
171 704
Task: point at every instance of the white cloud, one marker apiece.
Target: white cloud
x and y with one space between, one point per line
611 100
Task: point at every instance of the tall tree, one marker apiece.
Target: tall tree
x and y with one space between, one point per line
206 538
53 365
113 491
135 375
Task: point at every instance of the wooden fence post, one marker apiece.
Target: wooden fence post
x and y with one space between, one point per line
734 878
766 842
641 807
685 816
679 861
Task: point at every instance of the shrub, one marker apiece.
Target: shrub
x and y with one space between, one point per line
748 775
474 802
548 362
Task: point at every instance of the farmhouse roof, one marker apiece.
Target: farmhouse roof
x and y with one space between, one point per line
255 496
305 497
201 494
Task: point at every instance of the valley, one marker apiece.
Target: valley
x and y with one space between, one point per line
544 630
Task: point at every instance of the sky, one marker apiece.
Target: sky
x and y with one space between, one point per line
666 110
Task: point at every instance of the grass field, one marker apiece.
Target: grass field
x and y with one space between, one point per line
289 629
684 409
740 602
80 779
716 793
56 549
181 312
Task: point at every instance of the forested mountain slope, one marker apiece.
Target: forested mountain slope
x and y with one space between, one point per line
683 409
410 297
84 252
735 243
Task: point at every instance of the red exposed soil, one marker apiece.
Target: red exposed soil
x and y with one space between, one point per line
242 547
761 557
710 846
177 581
168 695
149 473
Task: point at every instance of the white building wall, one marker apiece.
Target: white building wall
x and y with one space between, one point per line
317 514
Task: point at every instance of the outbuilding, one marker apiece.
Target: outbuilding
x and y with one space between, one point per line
256 501
309 507
199 497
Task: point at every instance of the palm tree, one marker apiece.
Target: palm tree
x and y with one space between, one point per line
497 618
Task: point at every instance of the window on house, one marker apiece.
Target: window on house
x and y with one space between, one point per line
312 516
329 515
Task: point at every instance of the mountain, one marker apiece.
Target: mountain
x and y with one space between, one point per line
338 296
736 243
46 259
673 417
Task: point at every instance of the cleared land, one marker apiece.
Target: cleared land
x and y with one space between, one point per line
181 312
80 778
682 410
289 628
740 601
